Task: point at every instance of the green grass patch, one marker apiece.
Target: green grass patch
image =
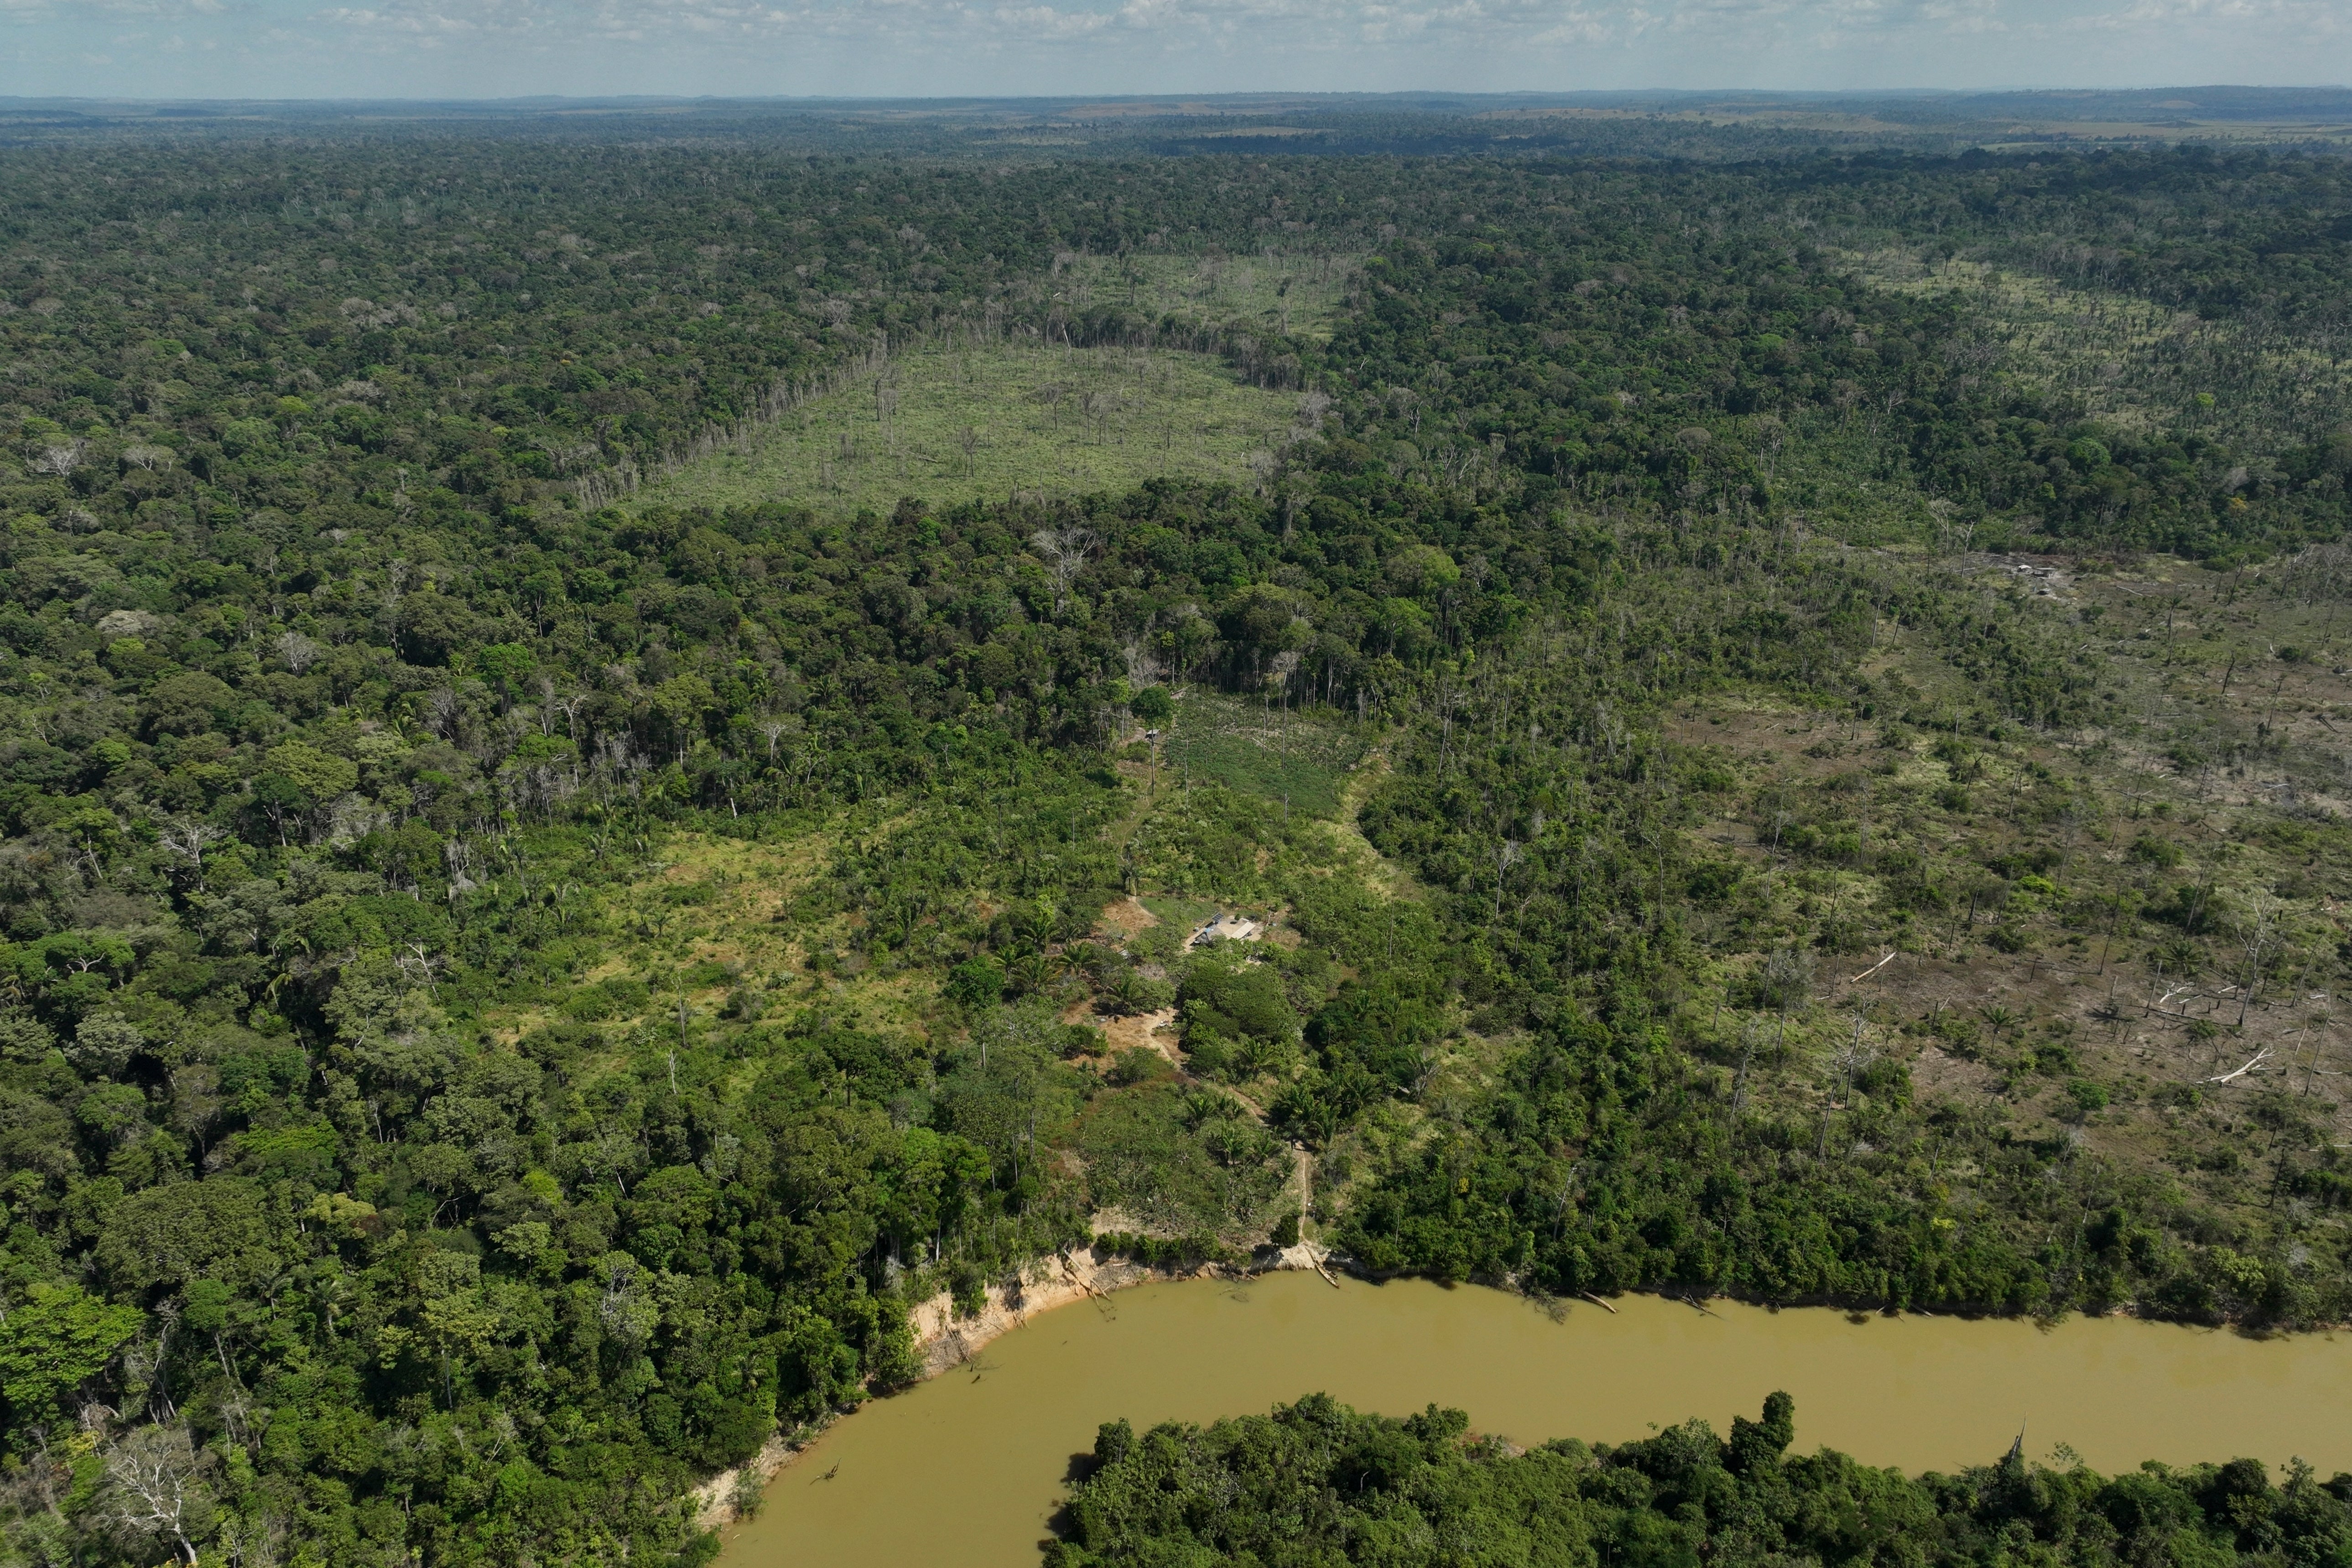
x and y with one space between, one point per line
1300 295
951 424
1179 918
2134 364
1188 914
1299 758
1853 486
1152 1157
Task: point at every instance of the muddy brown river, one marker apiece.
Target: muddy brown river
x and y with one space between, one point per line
964 1470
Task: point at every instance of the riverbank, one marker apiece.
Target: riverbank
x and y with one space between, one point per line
945 1339
965 1470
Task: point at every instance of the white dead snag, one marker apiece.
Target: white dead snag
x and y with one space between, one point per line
2259 1058
1064 550
59 457
156 1491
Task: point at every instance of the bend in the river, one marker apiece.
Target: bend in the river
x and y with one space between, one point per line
964 1472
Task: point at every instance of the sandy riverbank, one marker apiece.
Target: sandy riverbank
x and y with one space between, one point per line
943 1340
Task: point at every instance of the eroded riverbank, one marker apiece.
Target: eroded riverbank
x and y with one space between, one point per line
964 1470
946 1340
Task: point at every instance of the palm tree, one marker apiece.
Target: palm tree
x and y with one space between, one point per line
1028 972
1125 996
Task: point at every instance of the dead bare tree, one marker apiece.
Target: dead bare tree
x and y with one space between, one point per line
1096 408
395 578
1065 551
774 729
2260 930
186 840
444 714
298 652
1051 394
1748 1033
1851 1058
1295 490
158 1491
1508 852
60 458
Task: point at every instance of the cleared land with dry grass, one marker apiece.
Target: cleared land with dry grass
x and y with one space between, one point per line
951 422
2117 939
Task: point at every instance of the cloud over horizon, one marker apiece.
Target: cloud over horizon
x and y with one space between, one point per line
469 48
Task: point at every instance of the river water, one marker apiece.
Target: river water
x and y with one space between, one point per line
963 1471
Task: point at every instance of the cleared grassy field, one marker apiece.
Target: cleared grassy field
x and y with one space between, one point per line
2137 365
1299 759
1293 294
950 424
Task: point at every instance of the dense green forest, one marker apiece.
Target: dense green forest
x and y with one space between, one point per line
512 989
1317 1483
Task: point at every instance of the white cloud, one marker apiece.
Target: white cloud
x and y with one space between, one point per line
2284 17
503 48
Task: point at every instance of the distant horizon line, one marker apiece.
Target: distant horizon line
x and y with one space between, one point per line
1225 95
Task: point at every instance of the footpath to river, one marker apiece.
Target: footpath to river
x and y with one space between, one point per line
964 1470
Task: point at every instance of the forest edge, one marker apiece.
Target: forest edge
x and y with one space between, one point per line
944 1340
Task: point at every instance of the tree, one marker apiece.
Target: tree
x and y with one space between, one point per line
1152 705
321 775
50 1345
157 1492
280 799
1065 551
507 665
298 652
60 458
186 840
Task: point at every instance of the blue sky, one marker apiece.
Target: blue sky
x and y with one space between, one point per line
493 49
